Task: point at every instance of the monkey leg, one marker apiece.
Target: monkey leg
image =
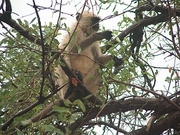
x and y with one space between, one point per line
73 83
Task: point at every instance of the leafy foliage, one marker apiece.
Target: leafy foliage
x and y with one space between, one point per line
146 35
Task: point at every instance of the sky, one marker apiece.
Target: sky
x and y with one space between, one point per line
23 9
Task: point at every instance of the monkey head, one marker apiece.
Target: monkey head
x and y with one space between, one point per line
89 22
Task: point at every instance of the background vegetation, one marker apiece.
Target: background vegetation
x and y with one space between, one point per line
141 98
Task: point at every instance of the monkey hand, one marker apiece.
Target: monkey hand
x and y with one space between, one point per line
107 34
117 62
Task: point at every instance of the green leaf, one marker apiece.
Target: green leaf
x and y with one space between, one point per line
51 128
61 109
33 20
168 79
67 103
134 91
79 49
142 116
80 104
87 97
47 128
58 131
118 40
19 132
26 122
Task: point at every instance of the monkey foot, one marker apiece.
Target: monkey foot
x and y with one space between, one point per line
73 80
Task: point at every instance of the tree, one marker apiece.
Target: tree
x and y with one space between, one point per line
132 103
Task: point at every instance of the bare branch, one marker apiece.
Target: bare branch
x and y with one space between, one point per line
157 128
109 125
126 105
43 50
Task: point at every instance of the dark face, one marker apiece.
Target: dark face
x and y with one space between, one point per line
95 23
78 16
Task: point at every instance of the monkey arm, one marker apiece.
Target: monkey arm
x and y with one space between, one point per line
104 59
91 39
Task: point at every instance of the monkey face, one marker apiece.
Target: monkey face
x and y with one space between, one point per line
89 22
95 23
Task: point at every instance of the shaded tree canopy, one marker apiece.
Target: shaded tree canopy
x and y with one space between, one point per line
141 97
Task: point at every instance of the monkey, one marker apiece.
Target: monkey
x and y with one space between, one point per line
89 59
84 63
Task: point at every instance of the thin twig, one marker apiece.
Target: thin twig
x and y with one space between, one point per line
43 51
149 91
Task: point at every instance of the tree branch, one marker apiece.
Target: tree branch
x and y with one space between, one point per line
170 121
43 50
126 105
10 120
142 23
107 124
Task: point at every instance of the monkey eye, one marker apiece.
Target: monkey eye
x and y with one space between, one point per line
78 16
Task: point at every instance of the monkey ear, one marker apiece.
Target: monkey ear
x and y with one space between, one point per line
78 15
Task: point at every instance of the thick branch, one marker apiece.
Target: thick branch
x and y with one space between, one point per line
161 9
170 121
46 110
25 33
142 23
150 20
7 13
95 37
127 105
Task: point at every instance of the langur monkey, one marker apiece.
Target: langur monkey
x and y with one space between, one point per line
87 61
